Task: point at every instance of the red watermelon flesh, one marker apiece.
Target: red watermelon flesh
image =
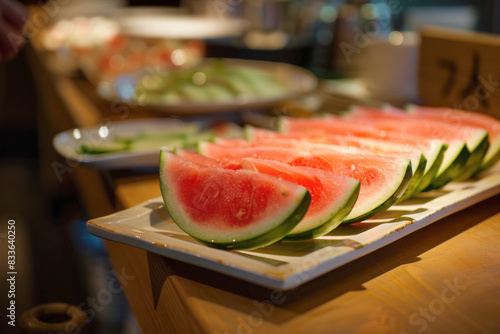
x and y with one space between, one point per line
419 127
457 117
367 144
332 196
337 126
383 180
427 126
207 162
353 137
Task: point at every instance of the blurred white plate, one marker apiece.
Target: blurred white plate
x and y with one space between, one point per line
296 80
145 11
285 265
179 26
68 143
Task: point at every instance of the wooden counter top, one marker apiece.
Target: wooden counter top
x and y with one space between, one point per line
441 279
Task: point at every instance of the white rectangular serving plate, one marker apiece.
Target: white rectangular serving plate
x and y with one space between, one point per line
288 264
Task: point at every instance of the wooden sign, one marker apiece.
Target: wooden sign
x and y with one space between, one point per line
460 69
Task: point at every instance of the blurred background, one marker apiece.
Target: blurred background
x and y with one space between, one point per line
346 43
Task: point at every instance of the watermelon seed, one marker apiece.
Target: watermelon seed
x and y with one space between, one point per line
241 214
284 191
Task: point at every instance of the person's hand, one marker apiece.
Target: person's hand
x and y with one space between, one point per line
13 17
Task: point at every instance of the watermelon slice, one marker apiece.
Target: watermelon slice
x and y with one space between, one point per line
435 151
468 118
359 145
453 163
332 196
230 209
477 139
383 179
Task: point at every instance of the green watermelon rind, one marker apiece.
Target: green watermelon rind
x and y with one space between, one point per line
331 222
492 156
434 162
248 132
416 178
453 164
477 154
389 201
265 237
281 125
